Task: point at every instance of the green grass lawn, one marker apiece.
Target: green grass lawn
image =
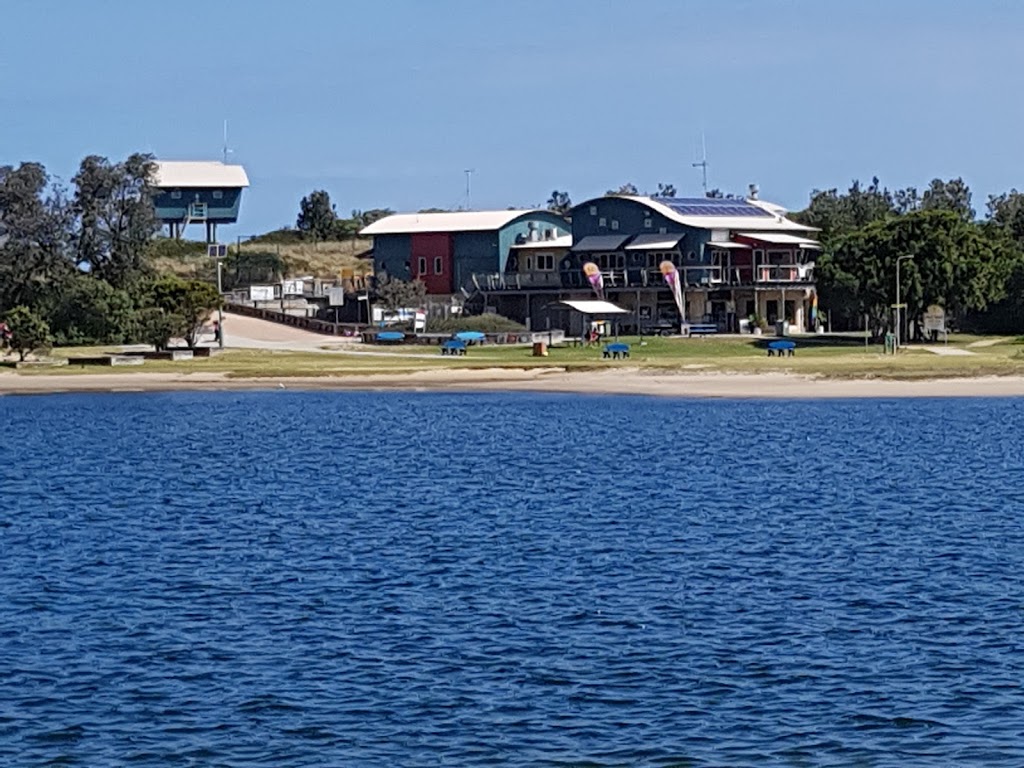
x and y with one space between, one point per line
833 356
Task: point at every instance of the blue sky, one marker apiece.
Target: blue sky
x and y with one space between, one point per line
385 103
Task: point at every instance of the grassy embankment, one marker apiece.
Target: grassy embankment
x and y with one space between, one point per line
300 259
834 357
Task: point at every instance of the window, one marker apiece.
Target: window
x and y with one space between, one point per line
758 255
662 230
691 256
593 210
438 265
615 223
648 223
218 194
421 266
546 262
602 222
176 194
529 263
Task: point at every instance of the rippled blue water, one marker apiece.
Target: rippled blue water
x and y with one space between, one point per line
301 579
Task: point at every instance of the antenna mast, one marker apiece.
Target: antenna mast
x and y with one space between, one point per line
469 176
703 164
226 150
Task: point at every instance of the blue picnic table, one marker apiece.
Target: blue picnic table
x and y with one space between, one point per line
781 348
453 347
616 350
388 337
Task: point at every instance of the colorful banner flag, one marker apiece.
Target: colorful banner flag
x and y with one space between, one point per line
671 275
593 273
814 310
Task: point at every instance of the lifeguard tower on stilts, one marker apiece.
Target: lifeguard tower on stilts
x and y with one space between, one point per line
207 193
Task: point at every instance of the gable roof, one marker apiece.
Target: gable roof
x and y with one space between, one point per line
448 221
172 174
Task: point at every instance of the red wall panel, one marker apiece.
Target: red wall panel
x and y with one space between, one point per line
432 261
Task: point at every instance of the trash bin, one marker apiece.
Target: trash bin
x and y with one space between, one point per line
540 349
890 343
781 328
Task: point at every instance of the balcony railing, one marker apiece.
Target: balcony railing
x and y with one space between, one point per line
644 277
785 273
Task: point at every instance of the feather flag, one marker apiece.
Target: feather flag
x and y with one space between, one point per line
814 309
593 273
671 275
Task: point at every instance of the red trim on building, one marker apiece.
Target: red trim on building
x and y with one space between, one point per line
431 261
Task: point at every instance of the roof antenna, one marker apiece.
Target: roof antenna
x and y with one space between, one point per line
227 151
703 164
469 175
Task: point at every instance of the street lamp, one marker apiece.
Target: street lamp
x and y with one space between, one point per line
898 305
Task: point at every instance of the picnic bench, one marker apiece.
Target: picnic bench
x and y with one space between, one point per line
781 348
616 350
699 329
453 347
390 337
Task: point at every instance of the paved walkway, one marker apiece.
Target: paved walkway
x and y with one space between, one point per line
988 342
242 332
948 351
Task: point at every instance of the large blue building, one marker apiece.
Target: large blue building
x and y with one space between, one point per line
207 193
446 250
736 259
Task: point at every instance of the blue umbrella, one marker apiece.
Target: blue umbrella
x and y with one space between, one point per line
469 336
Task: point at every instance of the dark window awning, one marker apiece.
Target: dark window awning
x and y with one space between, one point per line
653 242
600 243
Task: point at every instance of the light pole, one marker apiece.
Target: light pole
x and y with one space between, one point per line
898 305
220 308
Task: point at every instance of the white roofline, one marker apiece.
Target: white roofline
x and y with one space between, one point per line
447 221
775 221
175 174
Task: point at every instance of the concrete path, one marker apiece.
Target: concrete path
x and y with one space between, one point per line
948 351
988 342
242 332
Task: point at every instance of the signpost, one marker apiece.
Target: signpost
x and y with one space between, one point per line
935 321
218 251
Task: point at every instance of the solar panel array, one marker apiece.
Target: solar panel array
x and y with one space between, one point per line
711 206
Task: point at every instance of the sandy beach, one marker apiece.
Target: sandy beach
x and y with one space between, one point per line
631 381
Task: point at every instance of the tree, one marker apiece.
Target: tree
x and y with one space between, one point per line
35 224
1006 213
559 202
397 294
28 331
116 217
956 265
953 195
625 189
156 327
190 300
366 218
316 215
252 266
717 194
838 214
666 190
91 311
